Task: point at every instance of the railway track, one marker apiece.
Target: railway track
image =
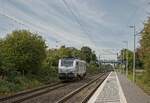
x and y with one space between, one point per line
52 90
22 96
82 94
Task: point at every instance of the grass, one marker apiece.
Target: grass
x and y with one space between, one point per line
16 83
7 87
140 81
144 85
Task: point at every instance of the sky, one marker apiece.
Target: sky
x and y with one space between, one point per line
102 25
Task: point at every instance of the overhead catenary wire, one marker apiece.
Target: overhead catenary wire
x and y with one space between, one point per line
87 32
20 22
15 20
26 23
81 22
77 20
136 10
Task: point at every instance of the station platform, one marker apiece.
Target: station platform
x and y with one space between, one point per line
116 88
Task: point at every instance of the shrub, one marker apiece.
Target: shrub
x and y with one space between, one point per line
22 51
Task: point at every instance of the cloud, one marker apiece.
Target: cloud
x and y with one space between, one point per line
36 19
104 22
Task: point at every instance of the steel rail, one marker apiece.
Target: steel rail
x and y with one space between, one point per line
93 91
70 95
32 91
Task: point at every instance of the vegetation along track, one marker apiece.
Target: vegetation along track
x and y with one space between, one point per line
82 94
22 96
49 93
55 95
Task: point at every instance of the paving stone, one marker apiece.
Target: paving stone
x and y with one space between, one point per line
110 92
132 92
118 89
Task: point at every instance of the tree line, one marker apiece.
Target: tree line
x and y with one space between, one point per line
26 61
144 51
142 56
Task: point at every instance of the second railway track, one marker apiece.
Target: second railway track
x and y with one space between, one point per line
22 96
82 94
51 93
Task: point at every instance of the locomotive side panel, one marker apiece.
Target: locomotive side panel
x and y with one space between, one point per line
71 68
81 68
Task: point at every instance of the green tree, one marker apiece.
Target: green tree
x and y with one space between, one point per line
52 57
123 56
93 58
1 71
75 52
64 52
139 62
22 51
145 49
86 54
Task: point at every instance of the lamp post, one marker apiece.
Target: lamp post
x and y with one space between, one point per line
123 61
134 28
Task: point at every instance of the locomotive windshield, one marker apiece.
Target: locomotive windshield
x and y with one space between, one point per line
66 63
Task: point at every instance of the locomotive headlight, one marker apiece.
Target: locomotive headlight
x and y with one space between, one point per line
70 70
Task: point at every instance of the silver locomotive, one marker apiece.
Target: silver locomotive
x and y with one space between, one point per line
70 68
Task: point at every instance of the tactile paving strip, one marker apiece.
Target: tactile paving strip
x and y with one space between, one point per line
110 92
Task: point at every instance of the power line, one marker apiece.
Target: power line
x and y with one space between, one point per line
88 31
13 19
79 16
76 19
21 23
135 12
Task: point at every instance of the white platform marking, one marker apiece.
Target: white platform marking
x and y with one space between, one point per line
121 94
95 95
110 91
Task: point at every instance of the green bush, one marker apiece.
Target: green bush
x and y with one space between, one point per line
48 73
93 68
22 51
4 86
26 63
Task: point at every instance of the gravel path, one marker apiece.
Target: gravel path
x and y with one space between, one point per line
132 92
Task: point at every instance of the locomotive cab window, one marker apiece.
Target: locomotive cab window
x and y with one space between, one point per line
77 63
67 63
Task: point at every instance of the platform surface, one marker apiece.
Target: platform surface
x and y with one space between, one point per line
109 92
132 92
118 89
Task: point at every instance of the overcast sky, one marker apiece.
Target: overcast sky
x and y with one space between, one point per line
100 24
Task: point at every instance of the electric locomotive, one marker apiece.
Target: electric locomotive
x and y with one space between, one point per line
70 68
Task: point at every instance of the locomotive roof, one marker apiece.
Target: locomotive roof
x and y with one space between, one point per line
70 58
